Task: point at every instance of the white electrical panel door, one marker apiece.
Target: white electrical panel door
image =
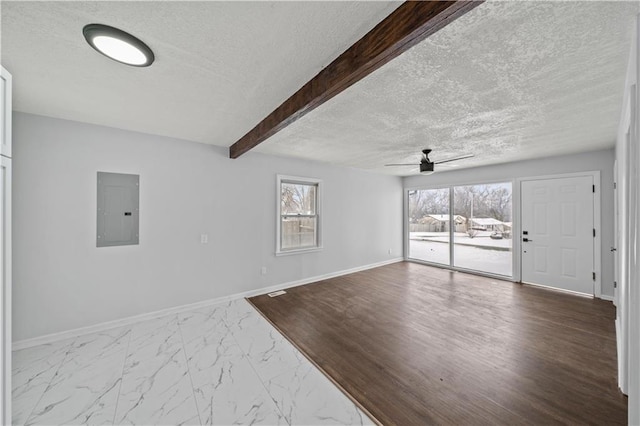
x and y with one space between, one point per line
118 209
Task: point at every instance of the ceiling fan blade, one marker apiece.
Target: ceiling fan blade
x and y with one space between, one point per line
414 165
454 159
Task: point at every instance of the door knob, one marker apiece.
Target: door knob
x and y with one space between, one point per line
614 249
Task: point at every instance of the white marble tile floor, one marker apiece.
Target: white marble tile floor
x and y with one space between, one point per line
219 365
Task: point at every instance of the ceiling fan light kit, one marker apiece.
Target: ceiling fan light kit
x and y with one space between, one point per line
426 167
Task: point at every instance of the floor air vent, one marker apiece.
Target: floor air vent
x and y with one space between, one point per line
277 293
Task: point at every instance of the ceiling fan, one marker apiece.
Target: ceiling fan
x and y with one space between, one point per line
426 165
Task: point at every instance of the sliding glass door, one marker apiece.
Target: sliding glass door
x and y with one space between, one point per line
429 225
484 243
479 227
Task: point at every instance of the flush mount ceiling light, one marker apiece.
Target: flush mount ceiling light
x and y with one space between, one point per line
118 45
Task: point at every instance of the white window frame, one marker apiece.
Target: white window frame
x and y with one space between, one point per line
280 179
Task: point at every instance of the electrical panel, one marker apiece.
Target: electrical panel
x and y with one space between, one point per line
118 209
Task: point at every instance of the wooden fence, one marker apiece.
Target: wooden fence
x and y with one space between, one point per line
298 232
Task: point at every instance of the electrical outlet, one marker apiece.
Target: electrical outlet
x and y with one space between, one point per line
263 270
204 238
389 251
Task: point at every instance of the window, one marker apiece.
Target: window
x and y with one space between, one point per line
298 227
463 227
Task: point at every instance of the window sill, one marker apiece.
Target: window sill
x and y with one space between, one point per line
298 251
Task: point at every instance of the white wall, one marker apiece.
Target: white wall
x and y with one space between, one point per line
628 295
624 143
590 161
62 281
634 285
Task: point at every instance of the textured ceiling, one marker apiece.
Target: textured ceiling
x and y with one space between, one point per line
508 81
220 67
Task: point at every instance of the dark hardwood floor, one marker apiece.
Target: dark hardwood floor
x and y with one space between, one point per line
416 345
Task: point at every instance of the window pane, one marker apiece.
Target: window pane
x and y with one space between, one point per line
429 225
297 198
298 232
483 241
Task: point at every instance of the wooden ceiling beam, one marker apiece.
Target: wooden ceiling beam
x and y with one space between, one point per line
408 25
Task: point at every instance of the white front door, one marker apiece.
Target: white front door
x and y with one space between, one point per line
557 233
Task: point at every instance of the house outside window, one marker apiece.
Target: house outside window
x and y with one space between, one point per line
299 224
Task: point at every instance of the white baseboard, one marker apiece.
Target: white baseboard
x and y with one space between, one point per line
54 337
606 297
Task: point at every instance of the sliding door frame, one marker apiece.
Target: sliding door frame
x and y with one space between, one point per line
451 266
